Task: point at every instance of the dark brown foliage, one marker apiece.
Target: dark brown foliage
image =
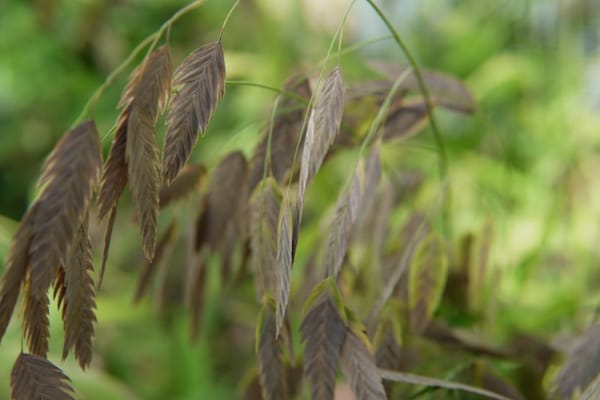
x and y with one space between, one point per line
133 156
189 179
48 231
223 203
107 238
323 333
60 287
36 323
112 184
201 82
253 390
150 89
163 249
15 270
114 175
271 367
52 244
79 299
195 293
144 177
69 175
35 378
405 119
359 369
444 89
461 340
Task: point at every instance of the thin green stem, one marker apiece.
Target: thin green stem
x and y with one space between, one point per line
317 87
340 37
283 92
227 18
153 39
168 34
167 25
443 156
109 133
340 32
91 103
422 86
359 45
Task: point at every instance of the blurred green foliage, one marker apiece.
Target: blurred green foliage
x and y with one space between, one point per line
526 163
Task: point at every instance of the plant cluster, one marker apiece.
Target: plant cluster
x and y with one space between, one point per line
365 291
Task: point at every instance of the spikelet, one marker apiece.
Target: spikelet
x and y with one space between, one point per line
69 176
35 378
201 78
79 299
133 156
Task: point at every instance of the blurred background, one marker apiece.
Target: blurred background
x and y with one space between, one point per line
525 166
